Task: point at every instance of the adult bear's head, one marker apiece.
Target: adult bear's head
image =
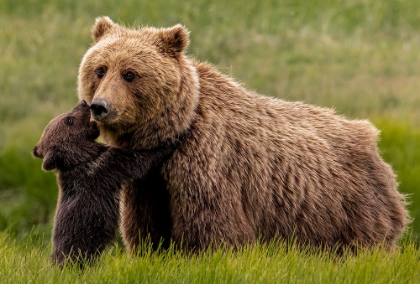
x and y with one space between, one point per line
141 88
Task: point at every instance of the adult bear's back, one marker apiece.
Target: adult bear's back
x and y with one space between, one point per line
253 166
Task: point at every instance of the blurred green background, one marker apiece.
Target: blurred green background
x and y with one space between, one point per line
359 57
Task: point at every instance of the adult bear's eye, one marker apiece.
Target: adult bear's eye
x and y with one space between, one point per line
101 71
129 76
69 120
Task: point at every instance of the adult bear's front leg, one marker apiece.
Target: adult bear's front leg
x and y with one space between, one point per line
206 211
202 222
145 212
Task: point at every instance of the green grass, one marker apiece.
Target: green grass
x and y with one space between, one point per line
272 263
360 57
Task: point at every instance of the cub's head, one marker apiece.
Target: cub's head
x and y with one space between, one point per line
67 139
134 78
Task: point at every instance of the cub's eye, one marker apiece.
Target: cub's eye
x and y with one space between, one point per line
129 76
69 120
101 71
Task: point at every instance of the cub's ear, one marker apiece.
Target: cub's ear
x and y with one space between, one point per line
103 26
174 40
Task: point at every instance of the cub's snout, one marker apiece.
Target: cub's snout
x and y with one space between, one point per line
36 153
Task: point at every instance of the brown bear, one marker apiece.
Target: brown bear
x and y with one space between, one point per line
249 166
90 176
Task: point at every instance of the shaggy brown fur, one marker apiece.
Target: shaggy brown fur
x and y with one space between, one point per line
90 176
249 166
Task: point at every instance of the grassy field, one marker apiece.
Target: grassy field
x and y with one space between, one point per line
272 263
359 57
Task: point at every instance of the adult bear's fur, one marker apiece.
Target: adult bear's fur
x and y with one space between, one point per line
249 166
90 176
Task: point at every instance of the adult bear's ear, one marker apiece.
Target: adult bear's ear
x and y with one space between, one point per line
103 26
174 40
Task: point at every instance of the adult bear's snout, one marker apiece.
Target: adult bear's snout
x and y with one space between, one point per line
99 109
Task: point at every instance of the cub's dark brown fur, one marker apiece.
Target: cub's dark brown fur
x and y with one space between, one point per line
249 167
90 176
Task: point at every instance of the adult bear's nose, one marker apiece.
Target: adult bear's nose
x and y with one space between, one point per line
99 108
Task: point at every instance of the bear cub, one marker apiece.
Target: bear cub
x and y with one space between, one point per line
89 176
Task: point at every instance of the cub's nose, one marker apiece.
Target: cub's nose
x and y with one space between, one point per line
35 153
99 108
